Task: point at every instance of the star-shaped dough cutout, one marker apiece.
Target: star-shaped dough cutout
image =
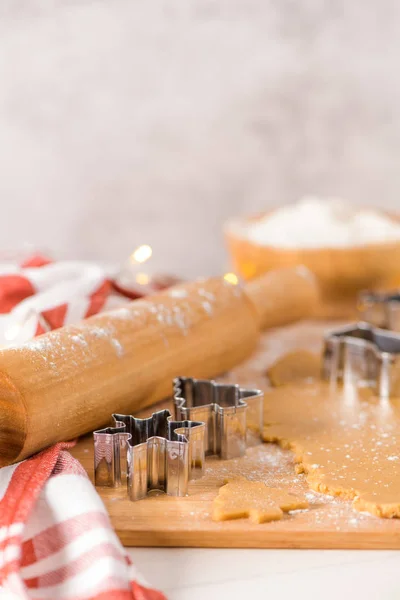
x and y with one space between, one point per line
241 498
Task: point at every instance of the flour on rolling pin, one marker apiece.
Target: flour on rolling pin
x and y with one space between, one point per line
317 223
68 381
177 316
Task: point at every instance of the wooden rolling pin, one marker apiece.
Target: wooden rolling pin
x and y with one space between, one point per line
69 381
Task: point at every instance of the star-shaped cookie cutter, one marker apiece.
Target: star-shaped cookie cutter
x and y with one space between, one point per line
233 415
150 454
380 309
361 355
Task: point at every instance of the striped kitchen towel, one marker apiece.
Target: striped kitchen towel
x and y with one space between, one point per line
56 540
39 295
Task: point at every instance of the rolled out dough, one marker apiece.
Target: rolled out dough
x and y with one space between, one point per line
348 445
253 499
299 365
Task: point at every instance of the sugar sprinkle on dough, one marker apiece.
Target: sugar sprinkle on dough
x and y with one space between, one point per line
347 445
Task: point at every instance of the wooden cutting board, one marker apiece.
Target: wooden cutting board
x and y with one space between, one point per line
160 520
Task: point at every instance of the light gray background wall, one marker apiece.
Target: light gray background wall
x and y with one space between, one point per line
132 121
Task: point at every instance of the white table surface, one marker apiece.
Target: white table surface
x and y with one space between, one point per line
207 574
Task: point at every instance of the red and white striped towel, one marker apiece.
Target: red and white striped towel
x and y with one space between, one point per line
39 296
56 540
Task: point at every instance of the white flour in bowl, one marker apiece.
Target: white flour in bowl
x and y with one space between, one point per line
317 223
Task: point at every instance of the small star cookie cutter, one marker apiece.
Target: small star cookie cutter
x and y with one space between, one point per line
233 415
361 355
149 454
380 309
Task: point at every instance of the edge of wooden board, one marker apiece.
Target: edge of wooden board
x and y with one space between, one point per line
274 539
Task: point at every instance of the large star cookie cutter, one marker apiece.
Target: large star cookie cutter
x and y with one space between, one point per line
363 356
233 415
380 309
149 454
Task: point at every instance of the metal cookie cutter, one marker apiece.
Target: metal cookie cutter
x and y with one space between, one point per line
151 454
233 415
362 355
380 309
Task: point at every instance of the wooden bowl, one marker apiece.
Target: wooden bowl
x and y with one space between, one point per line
341 272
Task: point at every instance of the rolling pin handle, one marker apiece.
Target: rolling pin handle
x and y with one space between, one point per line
283 296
